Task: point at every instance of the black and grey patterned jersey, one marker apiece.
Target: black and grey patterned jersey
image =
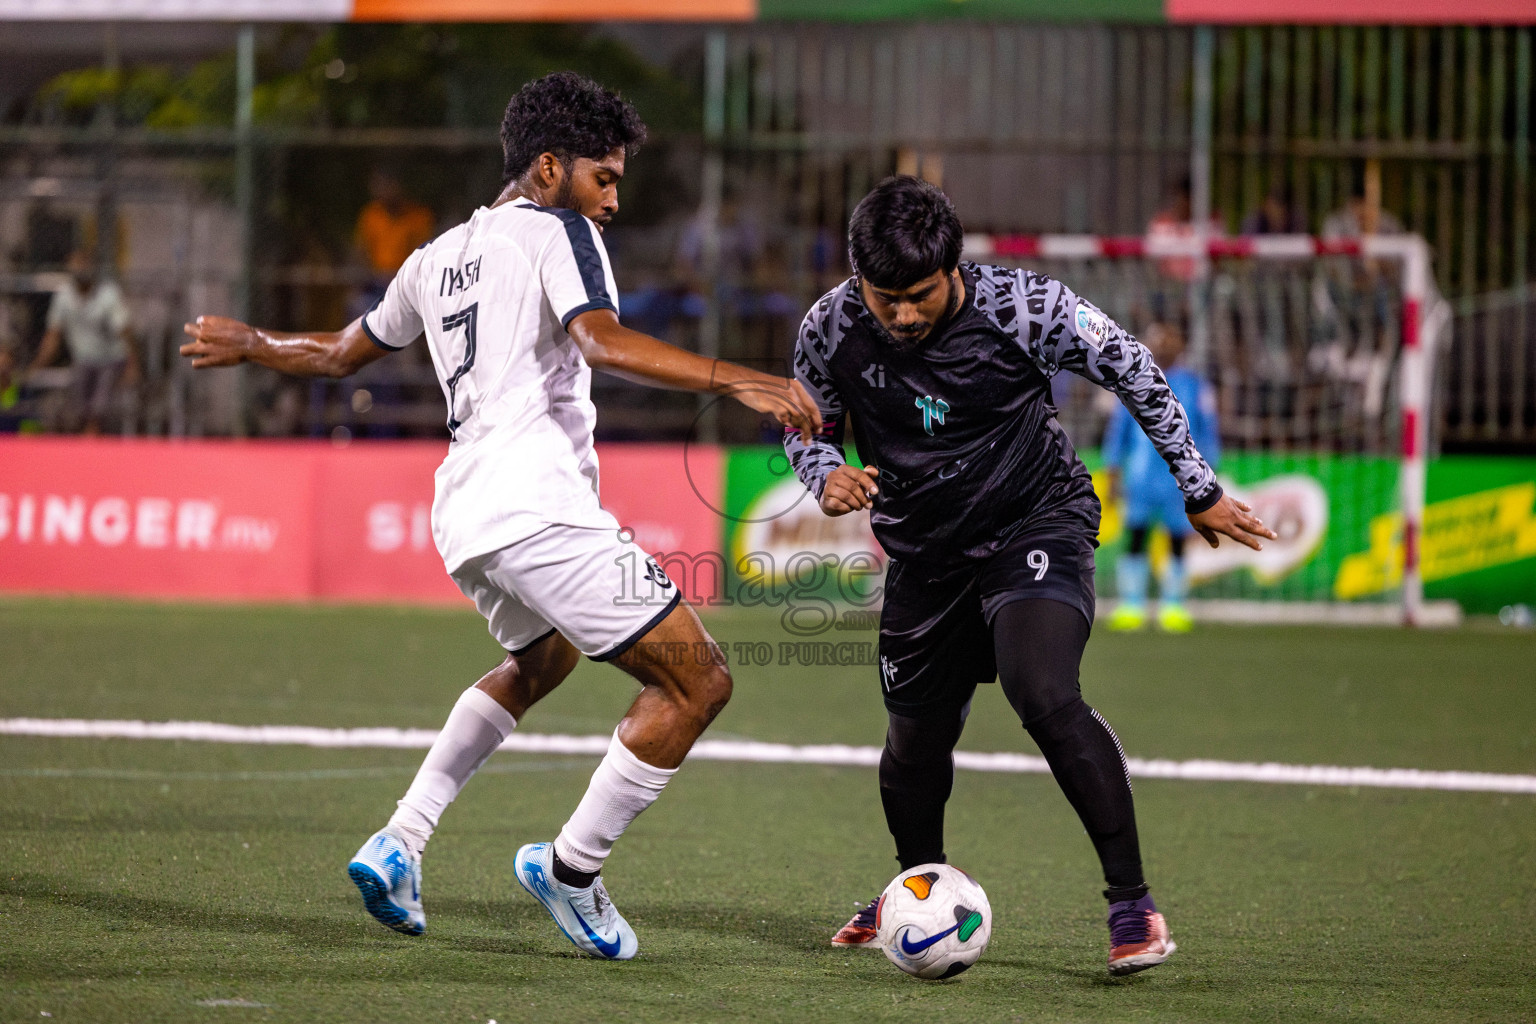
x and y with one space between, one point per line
962 426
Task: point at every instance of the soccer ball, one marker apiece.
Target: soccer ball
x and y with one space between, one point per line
933 921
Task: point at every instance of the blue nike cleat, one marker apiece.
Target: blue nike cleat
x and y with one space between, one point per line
586 916
390 880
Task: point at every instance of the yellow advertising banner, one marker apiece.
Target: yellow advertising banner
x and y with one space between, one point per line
1461 535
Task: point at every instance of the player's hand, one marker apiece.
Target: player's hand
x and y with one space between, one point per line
785 400
848 489
218 341
1233 518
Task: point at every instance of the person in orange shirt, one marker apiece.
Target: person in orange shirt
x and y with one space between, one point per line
390 227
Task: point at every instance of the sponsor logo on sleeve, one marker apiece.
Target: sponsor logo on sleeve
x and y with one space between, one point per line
1092 326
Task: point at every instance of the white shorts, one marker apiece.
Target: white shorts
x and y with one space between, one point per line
598 590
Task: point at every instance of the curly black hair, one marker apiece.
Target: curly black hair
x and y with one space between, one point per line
569 116
903 231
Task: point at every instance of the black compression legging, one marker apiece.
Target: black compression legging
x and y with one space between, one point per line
1039 645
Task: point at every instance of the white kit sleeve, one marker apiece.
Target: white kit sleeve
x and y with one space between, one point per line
573 267
394 322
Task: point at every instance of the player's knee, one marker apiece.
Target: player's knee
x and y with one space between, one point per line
1049 719
715 690
502 684
921 742
1037 693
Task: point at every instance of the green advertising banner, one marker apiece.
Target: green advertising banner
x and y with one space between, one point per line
1341 532
1323 506
784 552
1479 532
1337 516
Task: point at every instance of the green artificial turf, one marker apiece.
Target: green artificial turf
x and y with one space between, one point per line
156 881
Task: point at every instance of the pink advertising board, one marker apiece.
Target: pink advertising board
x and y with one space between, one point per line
283 520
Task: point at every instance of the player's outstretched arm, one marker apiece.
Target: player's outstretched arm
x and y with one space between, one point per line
221 341
1234 519
607 345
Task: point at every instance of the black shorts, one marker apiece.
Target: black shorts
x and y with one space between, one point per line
936 625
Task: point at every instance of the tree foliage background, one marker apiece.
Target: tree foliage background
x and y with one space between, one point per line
314 78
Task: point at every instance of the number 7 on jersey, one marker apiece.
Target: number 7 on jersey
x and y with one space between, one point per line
464 318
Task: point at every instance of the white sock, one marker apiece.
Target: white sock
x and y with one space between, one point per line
475 728
621 788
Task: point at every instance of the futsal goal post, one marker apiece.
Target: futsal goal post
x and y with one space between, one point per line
1321 356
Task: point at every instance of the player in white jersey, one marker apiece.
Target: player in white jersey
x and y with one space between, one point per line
518 306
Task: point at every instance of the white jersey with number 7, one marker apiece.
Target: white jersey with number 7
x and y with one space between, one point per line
493 297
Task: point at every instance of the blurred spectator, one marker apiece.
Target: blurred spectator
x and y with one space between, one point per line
1353 346
828 258
828 254
1176 220
1278 214
91 319
754 286
1362 214
389 228
652 302
741 247
51 236
1139 477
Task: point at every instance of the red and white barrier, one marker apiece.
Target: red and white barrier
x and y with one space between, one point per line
281 520
1160 246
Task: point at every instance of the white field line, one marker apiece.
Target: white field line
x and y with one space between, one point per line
774 753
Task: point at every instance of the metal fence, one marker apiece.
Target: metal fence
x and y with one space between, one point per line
1084 129
1305 352
1030 128
176 246
1487 381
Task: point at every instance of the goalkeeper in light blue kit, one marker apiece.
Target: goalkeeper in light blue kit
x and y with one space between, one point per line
1138 474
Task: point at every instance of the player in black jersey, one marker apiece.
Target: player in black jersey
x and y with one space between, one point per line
988 516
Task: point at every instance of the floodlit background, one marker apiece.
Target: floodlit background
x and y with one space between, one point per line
221 167
1331 202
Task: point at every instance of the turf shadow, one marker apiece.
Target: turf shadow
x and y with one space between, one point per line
497 913
1093 977
375 949
153 911
800 932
